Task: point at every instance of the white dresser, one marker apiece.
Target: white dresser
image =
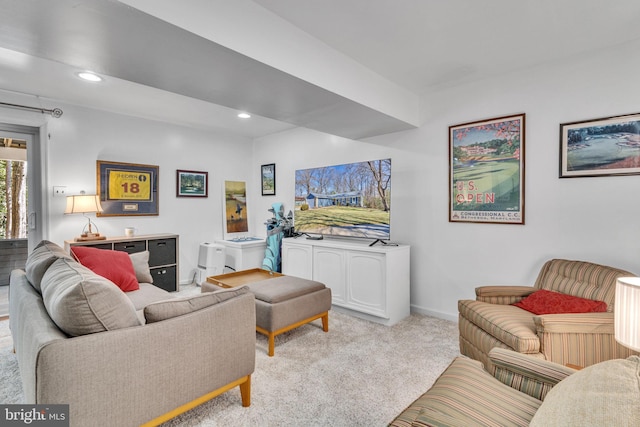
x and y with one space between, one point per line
371 282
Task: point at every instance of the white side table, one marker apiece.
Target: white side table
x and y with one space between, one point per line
244 254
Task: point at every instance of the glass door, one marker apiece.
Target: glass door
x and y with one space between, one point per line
15 209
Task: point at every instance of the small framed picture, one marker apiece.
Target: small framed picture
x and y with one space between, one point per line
192 183
600 147
268 174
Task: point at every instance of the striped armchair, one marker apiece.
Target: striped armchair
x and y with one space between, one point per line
467 395
527 391
581 339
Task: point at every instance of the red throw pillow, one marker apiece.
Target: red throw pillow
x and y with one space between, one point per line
549 302
113 265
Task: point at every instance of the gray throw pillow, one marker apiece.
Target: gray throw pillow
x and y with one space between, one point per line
140 261
40 259
81 302
162 310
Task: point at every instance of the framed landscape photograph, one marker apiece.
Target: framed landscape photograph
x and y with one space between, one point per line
268 179
192 183
600 147
127 189
486 171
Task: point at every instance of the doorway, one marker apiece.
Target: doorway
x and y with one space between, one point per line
18 212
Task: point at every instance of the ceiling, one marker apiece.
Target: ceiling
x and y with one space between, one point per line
424 45
160 64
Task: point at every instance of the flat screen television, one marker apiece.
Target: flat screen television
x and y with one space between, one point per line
349 200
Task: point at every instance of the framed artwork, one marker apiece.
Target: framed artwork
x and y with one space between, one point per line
127 189
235 207
268 179
192 183
486 171
600 147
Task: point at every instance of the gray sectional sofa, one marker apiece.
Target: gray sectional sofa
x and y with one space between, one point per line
124 358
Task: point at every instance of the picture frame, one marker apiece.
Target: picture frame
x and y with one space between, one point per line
235 212
127 189
268 179
600 147
486 171
192 183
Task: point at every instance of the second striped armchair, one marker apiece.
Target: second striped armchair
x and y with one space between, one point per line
581 339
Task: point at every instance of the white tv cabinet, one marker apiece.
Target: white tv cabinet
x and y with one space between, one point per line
371 282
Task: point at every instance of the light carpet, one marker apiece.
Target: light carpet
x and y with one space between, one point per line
360 373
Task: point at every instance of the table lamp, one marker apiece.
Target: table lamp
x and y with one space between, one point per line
627 312
85 204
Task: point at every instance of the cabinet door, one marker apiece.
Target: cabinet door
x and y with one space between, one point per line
366 282
296 260
328 268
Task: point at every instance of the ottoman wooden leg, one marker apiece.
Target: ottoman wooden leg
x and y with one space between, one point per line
272 334
272 344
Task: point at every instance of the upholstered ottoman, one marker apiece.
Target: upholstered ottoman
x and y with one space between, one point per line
286 302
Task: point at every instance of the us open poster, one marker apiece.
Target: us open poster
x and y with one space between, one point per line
486 171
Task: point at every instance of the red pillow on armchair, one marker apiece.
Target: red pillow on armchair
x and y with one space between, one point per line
550 302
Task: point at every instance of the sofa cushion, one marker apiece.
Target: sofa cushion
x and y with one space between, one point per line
604 394
40 259
140 261
113 265
163 310
81 302
148 294
550 302
464 395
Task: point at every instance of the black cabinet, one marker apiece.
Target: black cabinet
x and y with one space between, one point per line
163 255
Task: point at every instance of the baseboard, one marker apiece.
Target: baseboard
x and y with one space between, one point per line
433 313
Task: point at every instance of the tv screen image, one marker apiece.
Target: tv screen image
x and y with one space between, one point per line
349 200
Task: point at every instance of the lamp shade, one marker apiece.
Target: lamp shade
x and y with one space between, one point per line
627 312
83 203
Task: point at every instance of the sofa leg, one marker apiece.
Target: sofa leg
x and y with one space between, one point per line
245 392
325 322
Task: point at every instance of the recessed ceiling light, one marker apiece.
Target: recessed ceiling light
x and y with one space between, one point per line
91 77
244 115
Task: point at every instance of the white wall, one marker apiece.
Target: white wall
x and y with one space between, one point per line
82 136
593 219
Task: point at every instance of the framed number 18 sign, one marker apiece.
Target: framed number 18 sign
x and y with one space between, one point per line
127 188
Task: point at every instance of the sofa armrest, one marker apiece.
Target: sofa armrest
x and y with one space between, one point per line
504 295
527 374
582 339
583 323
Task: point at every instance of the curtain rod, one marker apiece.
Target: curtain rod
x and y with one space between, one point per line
56 112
